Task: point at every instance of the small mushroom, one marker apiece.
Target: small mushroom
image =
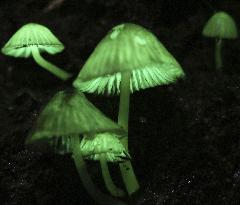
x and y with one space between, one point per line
61 123
127 59
33 39
220 26
105 147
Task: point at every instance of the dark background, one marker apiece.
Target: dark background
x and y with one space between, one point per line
184 138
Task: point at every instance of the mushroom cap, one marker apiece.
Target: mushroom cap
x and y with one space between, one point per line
128 48
29 36
70 114
106 145
221 25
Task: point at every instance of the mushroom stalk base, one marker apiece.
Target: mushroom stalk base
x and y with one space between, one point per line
49 66
126 168
218 56
111 187
93 191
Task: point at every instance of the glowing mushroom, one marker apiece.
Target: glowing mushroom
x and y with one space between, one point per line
63 121
127 59
105 147
220 26
31 40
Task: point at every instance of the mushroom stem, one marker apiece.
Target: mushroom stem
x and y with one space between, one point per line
126 168
49 66
124 103
218 56
111 187
93 191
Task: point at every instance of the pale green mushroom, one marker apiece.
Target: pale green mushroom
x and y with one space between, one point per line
129 58
220 26
105 147
30 41
62 123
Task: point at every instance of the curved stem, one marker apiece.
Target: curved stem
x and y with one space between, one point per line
93 191
126 168
218 56
111 187
49 66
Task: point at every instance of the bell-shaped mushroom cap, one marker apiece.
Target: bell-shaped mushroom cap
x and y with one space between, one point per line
29 36
70 114
220 25
128 47
105 145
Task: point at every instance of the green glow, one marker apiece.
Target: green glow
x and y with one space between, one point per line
64 119
127 172
128 59
140 79
31 40
49 66
70 113
93 191
111 187
105 144
221 25
32 35
116 30
105 147
218 57
61 144
128 47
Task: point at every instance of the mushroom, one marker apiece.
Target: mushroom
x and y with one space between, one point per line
62 122
33 39
105 147
220 26
127 59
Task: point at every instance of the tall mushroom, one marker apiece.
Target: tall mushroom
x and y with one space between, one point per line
33 39
127 59
220 26
62 122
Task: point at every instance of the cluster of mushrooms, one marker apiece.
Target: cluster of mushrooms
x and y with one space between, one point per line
129 58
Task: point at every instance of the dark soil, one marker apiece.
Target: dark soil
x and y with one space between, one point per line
184 138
